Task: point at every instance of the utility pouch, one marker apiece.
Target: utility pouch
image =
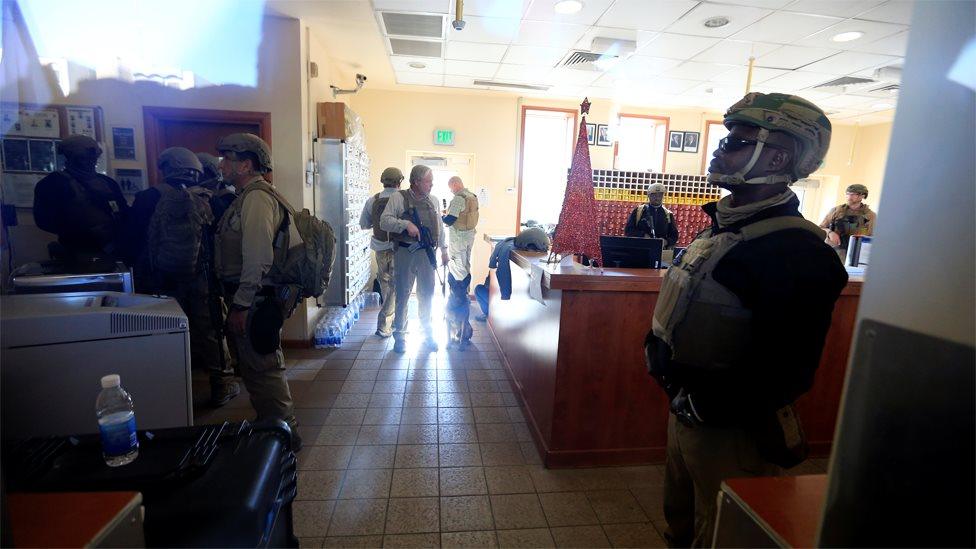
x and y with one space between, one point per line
781 438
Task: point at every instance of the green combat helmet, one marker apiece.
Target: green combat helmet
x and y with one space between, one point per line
211 166
391 175
247 143
791 114
79 146
180 163
859 189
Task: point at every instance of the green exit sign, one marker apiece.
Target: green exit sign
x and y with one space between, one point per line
443 137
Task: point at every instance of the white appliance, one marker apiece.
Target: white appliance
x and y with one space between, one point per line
54 349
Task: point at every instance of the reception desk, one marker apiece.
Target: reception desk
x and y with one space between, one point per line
576 361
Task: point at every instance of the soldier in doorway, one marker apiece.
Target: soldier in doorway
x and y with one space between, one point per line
383 246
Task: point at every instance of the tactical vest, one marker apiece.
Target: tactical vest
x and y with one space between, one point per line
847 222
704 323
427 213
468 219
379 204
229 242
668 217
95 214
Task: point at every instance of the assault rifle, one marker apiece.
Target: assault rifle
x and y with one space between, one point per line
425 242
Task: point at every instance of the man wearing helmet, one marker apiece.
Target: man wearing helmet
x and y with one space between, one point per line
84 208
742 316
167 228
653 220
251 242
383 246
851 218
223 194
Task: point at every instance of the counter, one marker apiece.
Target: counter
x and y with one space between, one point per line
577 365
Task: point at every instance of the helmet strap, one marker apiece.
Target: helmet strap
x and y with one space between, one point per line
738 178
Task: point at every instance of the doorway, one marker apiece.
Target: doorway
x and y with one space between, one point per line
445 166
546 154
197 130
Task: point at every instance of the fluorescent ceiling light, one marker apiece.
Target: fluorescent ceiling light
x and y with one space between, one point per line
567 7
417 65
847 36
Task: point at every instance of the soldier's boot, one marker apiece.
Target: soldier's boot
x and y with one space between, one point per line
223 391
400 346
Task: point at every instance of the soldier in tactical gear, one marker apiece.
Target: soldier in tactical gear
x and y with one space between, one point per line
412 262
222 193
462 218
849 219
171 224
653 220
84 208
252 243
383 246
742 316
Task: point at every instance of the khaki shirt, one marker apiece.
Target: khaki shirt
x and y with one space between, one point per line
839 212
390 220
259 219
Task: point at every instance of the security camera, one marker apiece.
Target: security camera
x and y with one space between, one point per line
458 24
360 82
360 79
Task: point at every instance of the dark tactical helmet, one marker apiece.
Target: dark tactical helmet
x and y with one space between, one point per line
79 146
180 163
211 166
791 114
859 189
391 176
247 143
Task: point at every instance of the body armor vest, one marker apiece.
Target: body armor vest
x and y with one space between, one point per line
693 303
468 219
427 213
229 243
379 204
847 222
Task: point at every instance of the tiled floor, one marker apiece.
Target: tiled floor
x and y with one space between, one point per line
430 449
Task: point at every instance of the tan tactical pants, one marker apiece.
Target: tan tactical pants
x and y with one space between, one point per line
264 378
194 299
384 275
411 268
459 246
698 460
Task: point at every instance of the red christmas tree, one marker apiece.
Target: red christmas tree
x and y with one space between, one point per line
578 232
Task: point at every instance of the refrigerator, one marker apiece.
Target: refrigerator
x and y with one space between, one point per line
341 189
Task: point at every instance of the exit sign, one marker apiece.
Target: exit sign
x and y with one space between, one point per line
444 137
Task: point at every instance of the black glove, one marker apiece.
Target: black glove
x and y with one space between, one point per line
683 408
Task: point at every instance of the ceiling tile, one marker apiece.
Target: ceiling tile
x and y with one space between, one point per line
785 28
471 51
638 69
523 73
491 30
470 68
676 46
846 101
896 44
574 92
573 77
697 71
872 30
895 11
649 15
641 38
850 61
735 52
797 80
428 6
765 4
738 75
672 85
509 9
603 93
740 17
454 81
553 35
793 57
543 10
819 95
402 64
527 55
835 8
419 79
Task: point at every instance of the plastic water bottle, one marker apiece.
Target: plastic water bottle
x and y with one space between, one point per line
116 423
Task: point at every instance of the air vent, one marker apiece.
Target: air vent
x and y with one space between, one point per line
415 48
583 60
845 81
891 89
512 85
413 24
125 323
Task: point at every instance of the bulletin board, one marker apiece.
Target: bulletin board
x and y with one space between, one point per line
29 135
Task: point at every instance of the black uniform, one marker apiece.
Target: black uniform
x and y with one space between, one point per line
654 222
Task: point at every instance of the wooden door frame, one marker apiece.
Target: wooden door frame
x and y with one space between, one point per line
667 129
152 116
521 158
708 124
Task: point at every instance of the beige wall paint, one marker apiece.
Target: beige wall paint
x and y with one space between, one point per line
857 154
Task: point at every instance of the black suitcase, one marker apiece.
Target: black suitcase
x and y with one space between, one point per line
229 485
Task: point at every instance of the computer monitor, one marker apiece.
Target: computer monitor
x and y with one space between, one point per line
625 251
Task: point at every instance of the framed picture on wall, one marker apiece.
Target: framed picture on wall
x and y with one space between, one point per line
676 141
691 142
603 135
591 134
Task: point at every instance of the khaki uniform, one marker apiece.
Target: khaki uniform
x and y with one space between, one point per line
412 267
385 249
847 222
248 244
464 206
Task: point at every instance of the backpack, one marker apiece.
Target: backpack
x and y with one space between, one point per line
176 231
379 204
307 265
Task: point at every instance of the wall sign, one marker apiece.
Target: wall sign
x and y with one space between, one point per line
130 180
81 121
444 137
124 143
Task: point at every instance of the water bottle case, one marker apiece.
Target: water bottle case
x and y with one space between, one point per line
227 485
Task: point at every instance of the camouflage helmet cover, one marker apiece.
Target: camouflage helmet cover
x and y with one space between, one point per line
211 166
391 175
858 188
657 188
249 143
79 145
179 163
790 114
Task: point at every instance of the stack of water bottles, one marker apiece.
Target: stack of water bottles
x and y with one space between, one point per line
337 321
